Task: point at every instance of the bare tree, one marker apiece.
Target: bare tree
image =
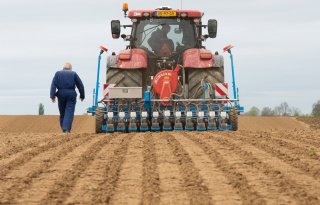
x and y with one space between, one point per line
295 111
267 111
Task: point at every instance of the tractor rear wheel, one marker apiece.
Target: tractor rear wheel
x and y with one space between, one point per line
99 120
233 117
210 75
125 77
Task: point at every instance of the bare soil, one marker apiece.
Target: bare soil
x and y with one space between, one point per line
268 161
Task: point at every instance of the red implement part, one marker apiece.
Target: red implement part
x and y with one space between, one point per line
228 47
103 48
165 83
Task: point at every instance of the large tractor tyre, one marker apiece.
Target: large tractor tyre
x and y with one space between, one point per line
233 117
210 75
125 77
99 120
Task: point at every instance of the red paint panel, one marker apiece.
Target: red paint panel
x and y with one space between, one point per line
135 59
192 58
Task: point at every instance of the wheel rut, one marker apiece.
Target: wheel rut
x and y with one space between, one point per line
194 184
217 175
86 187
128 189
150 184
172 189
106 188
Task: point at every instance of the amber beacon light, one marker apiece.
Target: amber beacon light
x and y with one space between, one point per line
125 8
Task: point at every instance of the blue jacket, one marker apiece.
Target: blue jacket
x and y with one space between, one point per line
66 80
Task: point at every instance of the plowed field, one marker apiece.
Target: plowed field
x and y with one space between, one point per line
269 161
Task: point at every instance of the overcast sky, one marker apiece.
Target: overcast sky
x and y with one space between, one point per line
276 52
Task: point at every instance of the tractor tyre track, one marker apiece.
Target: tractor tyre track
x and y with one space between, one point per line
111 172
237 179
87 185
195 187
151 188
128 189
172 189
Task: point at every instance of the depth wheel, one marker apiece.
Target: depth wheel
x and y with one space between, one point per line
233 117
210 75
99 120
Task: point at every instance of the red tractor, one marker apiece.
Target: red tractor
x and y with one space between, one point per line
166 79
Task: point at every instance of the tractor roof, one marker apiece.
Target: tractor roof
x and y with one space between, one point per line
165 12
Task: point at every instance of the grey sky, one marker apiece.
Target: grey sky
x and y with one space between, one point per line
276 47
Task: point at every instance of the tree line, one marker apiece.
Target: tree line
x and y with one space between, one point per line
283 110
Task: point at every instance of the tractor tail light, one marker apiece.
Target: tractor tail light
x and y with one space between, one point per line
124 56
206 55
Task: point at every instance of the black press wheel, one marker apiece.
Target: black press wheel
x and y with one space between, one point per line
99 120
233 117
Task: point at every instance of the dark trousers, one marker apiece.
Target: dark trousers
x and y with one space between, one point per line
67 103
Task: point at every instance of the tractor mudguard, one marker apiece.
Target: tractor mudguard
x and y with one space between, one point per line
132 59
197 58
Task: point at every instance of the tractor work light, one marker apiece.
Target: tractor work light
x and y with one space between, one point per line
184 15
146 14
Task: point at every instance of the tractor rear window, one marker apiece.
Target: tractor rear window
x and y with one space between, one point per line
180 35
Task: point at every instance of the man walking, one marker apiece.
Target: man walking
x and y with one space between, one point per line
65 81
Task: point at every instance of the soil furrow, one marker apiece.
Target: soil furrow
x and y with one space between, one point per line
300 137
105 189
129 185
41 186
16 144
20 178
287 152
150 184
26 156
289 179
195 187
171 181
60 190
219 176
87 185
263 184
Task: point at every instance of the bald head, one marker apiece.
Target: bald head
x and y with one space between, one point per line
67 66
